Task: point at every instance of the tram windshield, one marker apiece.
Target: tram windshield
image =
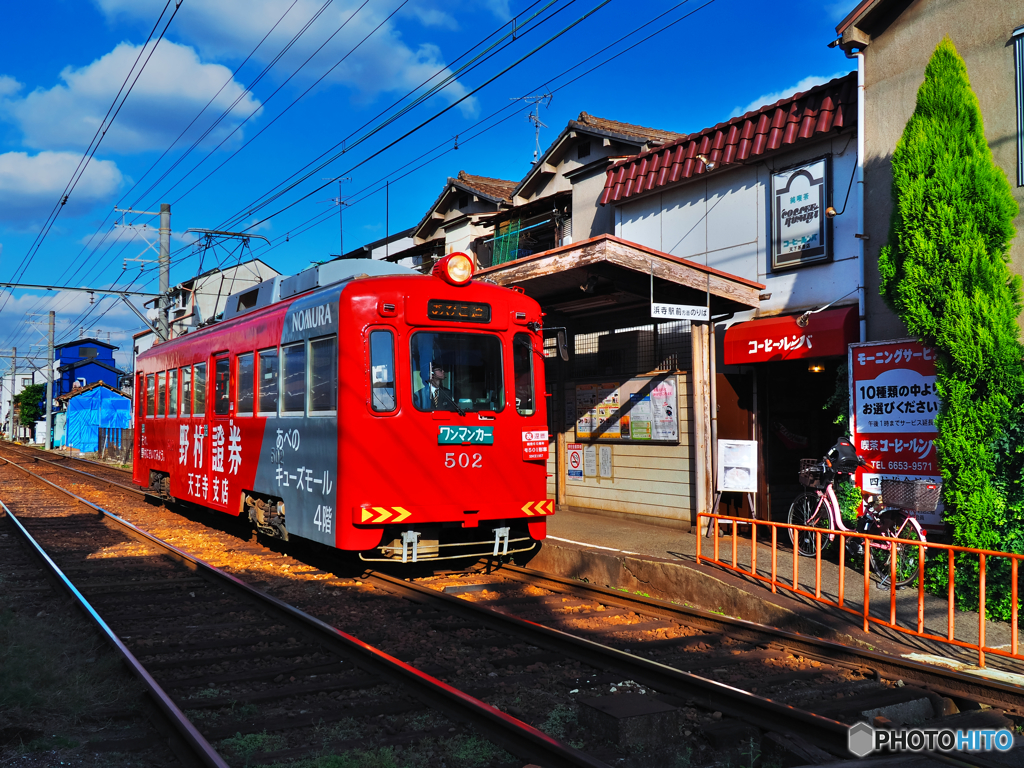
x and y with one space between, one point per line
456 372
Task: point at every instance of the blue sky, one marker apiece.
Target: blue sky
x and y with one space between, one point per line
244 99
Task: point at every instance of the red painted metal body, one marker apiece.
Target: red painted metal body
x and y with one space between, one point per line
386 471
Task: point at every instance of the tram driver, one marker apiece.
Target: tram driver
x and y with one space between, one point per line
433 396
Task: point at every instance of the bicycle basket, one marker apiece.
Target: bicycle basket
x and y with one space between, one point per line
812 474
913 495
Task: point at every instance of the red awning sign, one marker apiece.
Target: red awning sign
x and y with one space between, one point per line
826 334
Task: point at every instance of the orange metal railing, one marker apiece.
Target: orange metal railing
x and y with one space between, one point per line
793 585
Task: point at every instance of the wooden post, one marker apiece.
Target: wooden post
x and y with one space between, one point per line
701 386
560 468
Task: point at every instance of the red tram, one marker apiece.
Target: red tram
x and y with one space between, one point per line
361 405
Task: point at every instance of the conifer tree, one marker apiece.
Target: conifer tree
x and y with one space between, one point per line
944 272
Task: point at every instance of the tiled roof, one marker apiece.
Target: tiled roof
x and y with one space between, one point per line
827 107
624 129
496 189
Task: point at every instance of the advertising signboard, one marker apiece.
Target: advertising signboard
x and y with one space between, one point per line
893 405
800 233
643 409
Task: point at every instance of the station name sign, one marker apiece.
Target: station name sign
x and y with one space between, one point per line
458 311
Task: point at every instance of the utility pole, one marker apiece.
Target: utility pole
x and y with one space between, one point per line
48 441
165 270
341 207
14 379
534 118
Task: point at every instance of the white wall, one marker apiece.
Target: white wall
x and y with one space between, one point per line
722 220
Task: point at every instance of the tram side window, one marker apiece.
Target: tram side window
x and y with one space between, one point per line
221 385
186 391
150 394
293 374
244 400
160 394
172 392
323 375
268 381
199 388
382 371
522 369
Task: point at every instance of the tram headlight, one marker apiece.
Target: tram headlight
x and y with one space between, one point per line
455 268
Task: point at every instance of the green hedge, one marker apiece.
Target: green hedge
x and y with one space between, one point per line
945 273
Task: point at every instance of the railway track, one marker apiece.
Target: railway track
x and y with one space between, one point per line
231 665
552 652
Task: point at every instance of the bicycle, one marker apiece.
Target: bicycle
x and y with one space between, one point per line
820 509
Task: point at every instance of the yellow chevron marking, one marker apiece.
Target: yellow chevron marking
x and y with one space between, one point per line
527 509
550 507
385 513
402 514
366 515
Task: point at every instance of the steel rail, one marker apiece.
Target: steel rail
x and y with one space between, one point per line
504 729
201 748
115 484
943 681
767 714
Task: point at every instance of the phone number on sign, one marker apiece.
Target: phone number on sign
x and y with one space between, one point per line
905 466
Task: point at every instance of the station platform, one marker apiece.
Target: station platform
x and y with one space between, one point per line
632 554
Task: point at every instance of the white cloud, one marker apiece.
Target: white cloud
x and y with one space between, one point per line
384 63
172 89
8 86
31 184
770 98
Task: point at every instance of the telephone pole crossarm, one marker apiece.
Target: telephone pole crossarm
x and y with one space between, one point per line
107 291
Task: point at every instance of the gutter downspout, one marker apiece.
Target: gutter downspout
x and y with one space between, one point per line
860 235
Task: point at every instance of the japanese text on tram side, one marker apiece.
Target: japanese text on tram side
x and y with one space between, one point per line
303 480
192 440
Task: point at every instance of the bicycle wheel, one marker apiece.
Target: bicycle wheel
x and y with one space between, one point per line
899 527
806 510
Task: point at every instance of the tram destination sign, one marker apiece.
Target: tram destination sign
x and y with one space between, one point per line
458 435
458 311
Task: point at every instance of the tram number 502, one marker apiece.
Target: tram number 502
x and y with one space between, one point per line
464 460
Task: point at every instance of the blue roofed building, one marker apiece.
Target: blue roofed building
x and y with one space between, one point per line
84 362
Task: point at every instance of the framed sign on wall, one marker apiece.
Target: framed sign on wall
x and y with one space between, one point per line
800 230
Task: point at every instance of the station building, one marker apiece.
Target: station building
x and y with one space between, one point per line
615 217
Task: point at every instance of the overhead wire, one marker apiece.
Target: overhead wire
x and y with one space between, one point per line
517 34
469 137
329 213
94 145
416 128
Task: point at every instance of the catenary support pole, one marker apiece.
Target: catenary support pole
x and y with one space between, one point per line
165 269
14 383
48 440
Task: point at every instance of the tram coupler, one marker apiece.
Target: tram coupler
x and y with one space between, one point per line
413 538
501 540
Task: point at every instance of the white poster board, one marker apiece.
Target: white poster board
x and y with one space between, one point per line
737 466
590 461
605 461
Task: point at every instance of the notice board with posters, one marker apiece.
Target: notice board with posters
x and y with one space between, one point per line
641 410
893 405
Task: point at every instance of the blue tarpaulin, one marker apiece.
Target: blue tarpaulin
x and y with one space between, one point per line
90 411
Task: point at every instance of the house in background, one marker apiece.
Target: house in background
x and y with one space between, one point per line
895 40
83 362
85 411
199 300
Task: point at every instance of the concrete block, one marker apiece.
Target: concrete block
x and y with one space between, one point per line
630 719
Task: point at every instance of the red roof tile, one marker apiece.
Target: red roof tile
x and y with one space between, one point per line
498 189
802 116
